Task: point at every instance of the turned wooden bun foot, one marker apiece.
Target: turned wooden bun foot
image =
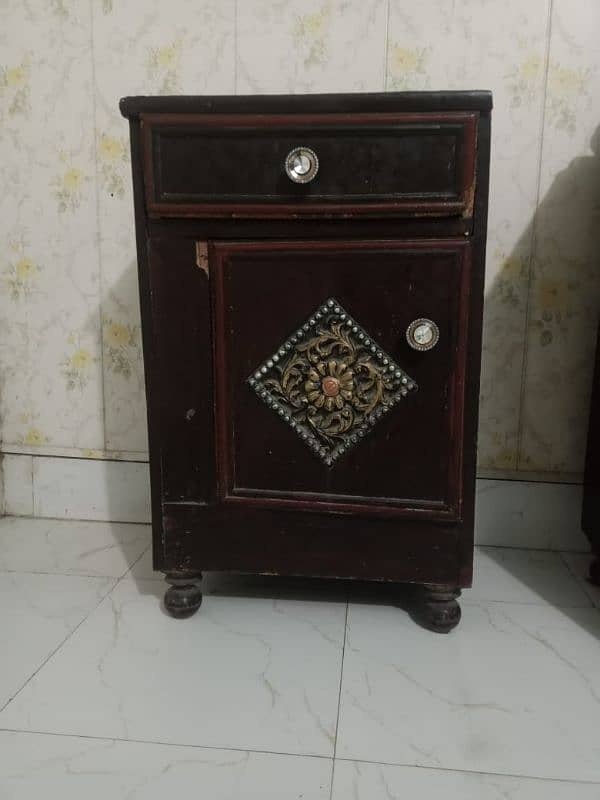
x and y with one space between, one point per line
441 612
595 571
184 596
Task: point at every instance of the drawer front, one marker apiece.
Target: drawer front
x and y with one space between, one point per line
321 402
364 164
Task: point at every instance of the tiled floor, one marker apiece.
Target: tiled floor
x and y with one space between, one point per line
103 695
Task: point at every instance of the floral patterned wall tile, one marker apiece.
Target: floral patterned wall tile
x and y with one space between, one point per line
184 46
565 289
70 348
290 46
49 276
480 44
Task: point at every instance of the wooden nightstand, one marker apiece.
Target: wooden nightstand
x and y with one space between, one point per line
311 278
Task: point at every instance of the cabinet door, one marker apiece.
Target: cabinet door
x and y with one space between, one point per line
321 402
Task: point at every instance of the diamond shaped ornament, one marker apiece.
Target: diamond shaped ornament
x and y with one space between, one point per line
330 382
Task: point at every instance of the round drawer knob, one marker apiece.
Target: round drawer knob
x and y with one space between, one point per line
422 334
301 164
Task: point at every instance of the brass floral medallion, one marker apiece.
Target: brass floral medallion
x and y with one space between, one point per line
330 382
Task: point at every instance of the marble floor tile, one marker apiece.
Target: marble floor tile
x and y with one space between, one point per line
70 547
143 566
385 782
515 689
37 765
579 564
523 576
247 673
37 612
91 488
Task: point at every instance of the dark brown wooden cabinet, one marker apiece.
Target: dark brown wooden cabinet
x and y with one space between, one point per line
311 277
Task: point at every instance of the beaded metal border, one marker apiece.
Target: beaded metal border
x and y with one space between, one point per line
331 307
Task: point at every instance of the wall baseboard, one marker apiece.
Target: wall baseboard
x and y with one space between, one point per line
76 488
509 513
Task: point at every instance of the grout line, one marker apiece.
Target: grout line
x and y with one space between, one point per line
32 489
466 603
298 755
109 591
527 549
111 521
484 474
61 574
469 771
165 744
568 568
77 519
117 578
527 476
534 237
131 566
583 582
34 471
332 778
98 234
235 46
337 721
386 46
143 459
562 553
59 646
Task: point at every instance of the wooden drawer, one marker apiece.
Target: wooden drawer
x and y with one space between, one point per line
386 164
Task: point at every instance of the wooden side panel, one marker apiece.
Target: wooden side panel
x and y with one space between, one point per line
183 385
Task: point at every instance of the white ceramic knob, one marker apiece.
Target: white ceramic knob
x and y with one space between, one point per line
301 164
422 334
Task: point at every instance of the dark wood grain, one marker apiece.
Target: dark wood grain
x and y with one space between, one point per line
263 462
184 381
362 102
370 164
321 544
151 373
473 350
234 489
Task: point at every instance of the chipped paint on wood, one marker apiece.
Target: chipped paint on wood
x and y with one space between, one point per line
469 196
202 256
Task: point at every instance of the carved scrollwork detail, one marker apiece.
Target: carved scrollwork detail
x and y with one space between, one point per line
330 382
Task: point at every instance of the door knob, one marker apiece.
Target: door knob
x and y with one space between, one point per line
301 164
422 334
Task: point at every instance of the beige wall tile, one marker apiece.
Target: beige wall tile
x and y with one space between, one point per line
17 472
184 46
50 357
483 45
311 46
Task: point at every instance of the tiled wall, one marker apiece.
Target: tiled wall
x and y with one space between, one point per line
71 374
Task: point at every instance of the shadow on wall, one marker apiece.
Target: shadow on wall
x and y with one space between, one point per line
556 311
562 319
